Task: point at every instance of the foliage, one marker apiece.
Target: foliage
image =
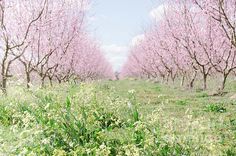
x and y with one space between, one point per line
218 108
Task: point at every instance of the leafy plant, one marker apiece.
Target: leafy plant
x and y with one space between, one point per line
218 108
5 116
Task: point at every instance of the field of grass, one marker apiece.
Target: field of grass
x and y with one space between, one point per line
127 117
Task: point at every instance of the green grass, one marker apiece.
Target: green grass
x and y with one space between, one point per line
127 117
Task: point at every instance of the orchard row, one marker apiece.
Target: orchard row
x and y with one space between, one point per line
48 40
195 38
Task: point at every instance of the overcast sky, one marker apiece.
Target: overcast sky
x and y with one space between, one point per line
118 23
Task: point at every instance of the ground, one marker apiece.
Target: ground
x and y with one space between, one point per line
126 117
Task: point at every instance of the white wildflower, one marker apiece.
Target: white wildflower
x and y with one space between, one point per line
129 105
132 91
45 141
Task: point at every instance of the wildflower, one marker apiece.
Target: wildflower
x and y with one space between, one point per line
129 105
47 106
103 150
88 151
131 150
132 91
45 141
58 152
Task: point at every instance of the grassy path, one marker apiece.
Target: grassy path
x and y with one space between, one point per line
117 118
186 116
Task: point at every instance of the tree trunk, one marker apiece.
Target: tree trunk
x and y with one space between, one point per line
58 79
172 77
162 78
42 80
204 81
4 77
193 80
42 83
4 85
50 79
167 78
28 79
225 76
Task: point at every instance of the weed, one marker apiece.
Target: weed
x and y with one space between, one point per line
218 108
113 120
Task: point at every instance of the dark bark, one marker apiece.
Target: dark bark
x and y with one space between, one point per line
167 78
225 76
4 75
4 85
50 80
28 80
59 81
205 81
191 85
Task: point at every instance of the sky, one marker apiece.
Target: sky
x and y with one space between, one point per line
117 24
